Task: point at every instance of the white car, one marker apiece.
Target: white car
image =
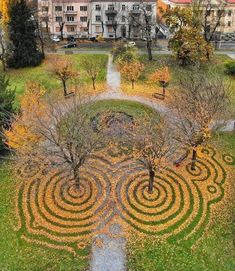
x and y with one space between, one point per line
131 43
55 39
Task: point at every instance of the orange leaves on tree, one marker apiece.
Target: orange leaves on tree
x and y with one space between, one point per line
22 136
132 71
162 76
63 70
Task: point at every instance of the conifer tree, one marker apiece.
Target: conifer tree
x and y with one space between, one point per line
22 34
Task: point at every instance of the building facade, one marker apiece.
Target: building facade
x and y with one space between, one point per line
227 23
88 18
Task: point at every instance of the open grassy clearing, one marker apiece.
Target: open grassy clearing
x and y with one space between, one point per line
145 88
41 74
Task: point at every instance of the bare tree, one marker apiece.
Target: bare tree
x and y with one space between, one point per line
92 68
142 18
208 15
199 102
56 131
153 146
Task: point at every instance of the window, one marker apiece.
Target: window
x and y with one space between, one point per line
58 19
83 8
149 8
230 13
84 29
83 19
110 18
58 8
110 7
98 18
123 7
57 29
70 19
45 19
44 9
110 29
97 7
70 8
229 23
136 7
70 29
98 29
123 19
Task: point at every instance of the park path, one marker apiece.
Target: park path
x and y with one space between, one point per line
108 251
114 92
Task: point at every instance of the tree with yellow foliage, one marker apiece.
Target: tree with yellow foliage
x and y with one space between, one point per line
132 71
23 136
63 70
161 76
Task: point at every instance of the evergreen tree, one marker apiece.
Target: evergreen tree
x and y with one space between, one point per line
22 32
7 97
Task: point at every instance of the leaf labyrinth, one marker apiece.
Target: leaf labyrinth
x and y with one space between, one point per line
52 212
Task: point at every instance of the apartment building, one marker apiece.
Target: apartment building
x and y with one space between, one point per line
227 24
88 18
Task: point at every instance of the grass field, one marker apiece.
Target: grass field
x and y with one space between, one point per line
145 88
15 253
214 252
19 77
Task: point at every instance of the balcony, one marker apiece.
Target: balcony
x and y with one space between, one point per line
67 12
110 12
135 12
112 23
71 22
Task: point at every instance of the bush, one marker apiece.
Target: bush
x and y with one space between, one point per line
124 53
230 68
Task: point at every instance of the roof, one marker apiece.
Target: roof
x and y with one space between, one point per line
190 1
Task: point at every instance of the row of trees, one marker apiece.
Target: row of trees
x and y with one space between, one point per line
61 131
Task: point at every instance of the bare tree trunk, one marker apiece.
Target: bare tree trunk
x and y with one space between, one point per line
65 88
151 181
194 159
77 178
149 48
93 83
132 84
164 92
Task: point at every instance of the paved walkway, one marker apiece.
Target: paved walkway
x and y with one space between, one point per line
108 248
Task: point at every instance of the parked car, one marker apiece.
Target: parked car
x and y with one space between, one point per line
94 39
55 39
70 45
71 39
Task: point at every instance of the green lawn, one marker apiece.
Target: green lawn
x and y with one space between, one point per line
41 74
15 253
215 252
216 65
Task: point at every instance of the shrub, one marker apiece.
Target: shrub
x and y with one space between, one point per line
122 53
230 68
